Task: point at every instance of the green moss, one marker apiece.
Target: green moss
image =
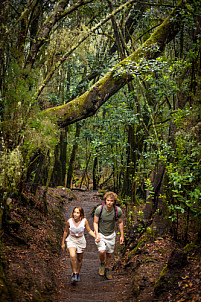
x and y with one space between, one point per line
191 248
135 250
90 101
164 272
38 297
161 281
165 281
148 259
56 196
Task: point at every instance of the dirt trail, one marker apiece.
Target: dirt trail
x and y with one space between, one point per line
92 287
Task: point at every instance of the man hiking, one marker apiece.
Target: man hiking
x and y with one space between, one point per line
105 217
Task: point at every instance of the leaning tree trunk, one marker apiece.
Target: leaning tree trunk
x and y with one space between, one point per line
88 103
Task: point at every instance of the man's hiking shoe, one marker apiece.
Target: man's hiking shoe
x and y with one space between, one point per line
74 278
102 269
108 274
77 277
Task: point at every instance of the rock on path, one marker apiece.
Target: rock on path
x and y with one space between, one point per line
92 287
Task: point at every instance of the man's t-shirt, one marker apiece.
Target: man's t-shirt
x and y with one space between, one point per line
107 219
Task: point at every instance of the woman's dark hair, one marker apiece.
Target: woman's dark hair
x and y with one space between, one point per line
81 212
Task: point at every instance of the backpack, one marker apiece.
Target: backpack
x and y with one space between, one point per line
115 211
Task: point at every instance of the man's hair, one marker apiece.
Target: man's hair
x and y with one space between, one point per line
111 195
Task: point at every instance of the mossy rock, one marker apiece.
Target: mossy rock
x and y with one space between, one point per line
162 282
191 248
56 197
177 259
137 249
149 259
170 272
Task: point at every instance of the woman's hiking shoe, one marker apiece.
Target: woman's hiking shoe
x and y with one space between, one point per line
77 277
108 274
74 278
102 269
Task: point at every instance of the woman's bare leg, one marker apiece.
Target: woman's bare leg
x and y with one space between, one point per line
79 261
72 251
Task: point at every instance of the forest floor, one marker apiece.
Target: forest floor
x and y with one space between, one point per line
36 269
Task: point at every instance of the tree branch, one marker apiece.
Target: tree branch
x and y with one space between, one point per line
88 103
24 14
82 39
46 28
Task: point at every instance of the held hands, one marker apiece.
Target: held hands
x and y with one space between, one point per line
63 246
98 239
121 240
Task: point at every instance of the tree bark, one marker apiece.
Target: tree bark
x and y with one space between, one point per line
152 202
95 184
59 172
73 156
130 25
4 7
88 103
45 30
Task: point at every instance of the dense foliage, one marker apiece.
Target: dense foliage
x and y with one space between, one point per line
51 52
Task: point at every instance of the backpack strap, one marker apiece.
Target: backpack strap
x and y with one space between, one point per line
115 211
102 204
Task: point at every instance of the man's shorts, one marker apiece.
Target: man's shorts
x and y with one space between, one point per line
79 243
107 243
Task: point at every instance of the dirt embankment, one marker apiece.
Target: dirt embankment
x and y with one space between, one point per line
36 267
37 270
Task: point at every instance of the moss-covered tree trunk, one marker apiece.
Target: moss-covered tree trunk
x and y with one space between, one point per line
88 103
4 7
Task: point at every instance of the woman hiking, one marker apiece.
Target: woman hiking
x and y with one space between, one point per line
76 242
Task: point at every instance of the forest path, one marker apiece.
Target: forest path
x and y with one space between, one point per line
92 287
